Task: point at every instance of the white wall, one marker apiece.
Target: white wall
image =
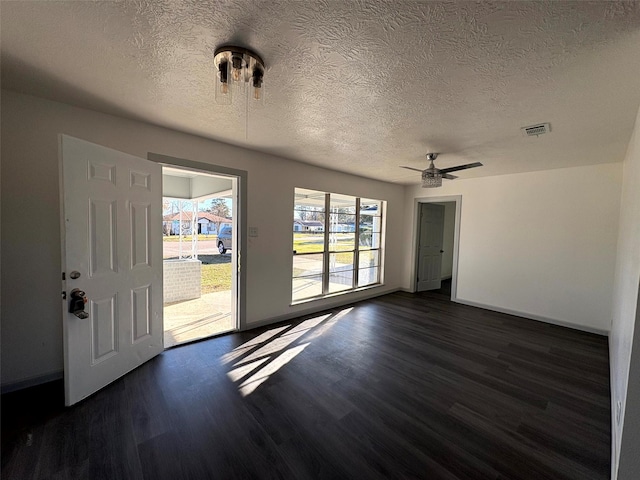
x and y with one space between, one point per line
541 244
31 285
624 341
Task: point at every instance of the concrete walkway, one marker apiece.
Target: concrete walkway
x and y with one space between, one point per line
199 318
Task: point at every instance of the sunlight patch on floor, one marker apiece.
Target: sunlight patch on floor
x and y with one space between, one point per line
251 344
322 329
249 386
239 373
263 351
274 346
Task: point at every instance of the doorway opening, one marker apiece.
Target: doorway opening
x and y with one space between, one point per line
435 266
199 254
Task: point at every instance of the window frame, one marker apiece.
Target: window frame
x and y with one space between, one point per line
355 251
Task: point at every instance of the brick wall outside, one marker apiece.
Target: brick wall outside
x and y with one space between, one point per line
182 280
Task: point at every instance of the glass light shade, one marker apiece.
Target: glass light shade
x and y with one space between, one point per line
431 179
241 71
223 83
256 92
256 96
237 65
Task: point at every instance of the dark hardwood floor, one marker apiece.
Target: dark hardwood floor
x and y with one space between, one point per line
401 386
445 288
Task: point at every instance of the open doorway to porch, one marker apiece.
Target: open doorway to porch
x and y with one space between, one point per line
199 254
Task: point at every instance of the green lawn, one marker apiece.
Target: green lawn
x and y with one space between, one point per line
314 242
307 243
311 243
216 278
216 273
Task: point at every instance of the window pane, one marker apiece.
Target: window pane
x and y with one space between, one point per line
341 268
369 240
307 265
309 199
306 287
340 261
308 213
367 221
369 258
339 242
370 207
343 204
308 242
342 222
376 240
340 281
368 276
307 221
310 209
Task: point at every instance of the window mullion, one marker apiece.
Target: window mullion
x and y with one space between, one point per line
325 257
381 228
356 246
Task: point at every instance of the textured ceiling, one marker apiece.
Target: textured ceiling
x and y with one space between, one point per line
357 86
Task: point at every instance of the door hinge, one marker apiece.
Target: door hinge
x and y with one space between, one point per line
64 295
63 276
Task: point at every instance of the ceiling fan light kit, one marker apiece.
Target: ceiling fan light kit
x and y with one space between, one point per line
237 67
432 176
431 180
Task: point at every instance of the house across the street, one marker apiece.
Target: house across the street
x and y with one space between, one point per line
208 223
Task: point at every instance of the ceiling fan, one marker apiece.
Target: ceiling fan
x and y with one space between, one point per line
432 176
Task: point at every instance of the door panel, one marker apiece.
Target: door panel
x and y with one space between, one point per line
141 310
430 246
104 329
112 219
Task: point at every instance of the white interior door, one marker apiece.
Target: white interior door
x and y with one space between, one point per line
112 250
430 247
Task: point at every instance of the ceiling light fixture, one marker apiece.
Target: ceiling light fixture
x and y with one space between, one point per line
236 68
431 177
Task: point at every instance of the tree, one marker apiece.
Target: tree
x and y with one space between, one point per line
169 207
219 208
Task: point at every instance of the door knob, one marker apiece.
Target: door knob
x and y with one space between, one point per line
76 303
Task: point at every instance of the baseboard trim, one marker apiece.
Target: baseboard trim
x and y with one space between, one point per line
31 382
317 309
531 316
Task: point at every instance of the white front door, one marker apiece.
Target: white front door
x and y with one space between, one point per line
112 250
430 246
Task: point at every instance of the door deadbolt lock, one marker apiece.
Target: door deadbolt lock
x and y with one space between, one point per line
76 303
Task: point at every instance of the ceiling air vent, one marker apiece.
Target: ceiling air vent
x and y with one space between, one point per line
536 130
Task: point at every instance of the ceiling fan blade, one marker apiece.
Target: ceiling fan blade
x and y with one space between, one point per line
450 177
460 167
411 168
